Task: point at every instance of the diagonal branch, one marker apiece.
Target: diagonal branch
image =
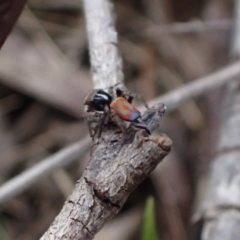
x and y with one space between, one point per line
118 165
27 178
220 210
106 63
172 99
122 160
200 86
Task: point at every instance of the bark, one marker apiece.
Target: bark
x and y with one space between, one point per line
200 86
27 178
221 208
119 163
122 159
106 63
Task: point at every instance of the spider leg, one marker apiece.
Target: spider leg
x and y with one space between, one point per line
92 120
130 99
90 130
105 114
144 102
139 96
129 96
142 126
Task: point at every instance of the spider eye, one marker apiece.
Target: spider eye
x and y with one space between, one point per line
104 95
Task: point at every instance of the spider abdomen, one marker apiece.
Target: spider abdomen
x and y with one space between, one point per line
125 110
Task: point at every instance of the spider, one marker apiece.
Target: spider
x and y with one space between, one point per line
100 103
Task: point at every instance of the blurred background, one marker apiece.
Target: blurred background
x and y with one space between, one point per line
45 76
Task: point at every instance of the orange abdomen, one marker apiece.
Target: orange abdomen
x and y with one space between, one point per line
125 110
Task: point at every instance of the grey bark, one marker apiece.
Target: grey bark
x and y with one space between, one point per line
220 211
106 63
122 160
199 86
172 99
119 163
27 178
221 208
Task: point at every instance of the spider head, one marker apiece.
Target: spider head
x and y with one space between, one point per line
97 101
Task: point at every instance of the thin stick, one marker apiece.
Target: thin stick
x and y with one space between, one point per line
195 26
200 86
44 168
220 209
106 63
172 100
117 167
120 161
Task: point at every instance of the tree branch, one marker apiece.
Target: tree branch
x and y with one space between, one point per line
122 160
43 168
220 210
172 100
193 26
119 163
199 86
106 63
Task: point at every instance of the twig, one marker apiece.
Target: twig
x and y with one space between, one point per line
36 146
118 165
58 85
200 86
40 170
220 211
121 161
172 100
195 26
106 63
63 4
